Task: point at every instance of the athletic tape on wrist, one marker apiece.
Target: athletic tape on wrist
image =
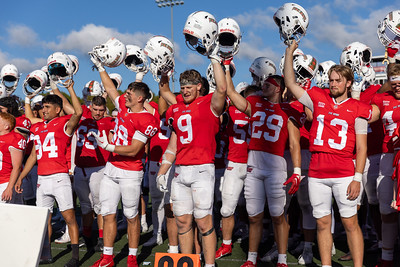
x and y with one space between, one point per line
357 177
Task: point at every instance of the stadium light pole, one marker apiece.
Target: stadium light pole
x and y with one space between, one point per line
171 3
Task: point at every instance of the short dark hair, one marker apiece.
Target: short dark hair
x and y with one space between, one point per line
190 76
99 101
251 89
11 104
53 99
140 88
205 88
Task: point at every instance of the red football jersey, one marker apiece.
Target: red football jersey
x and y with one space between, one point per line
375 129
195 126
159 142
390 117
333 133
87 153
126 125
268 123
86 114
51 144
305 128
237 130
9 141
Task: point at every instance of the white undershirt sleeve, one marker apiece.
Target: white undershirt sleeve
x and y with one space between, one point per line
305 99
140 136
361 126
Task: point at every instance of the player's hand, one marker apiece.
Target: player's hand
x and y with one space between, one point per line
140 75
162 183
96 61
7 194
18 186
292 45
295 180
102 141
394 206
353 190
213 53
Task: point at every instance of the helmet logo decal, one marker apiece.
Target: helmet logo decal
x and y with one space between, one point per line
301 13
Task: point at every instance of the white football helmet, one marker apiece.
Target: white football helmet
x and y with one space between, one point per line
9 76
160 50
111 54
356 55
305 68
388 29
321 77
228 37
47 87
135 59
92 88
75 63
261 69
241 87
292 20
297 52
60 68
210 75
200 31
37 99
3 91
34 82
116 78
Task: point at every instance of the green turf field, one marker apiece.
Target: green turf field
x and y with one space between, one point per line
61 254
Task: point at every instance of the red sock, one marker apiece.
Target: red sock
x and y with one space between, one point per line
101 233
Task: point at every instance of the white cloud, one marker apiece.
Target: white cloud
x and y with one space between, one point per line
259 18
24 66
22 35
91 35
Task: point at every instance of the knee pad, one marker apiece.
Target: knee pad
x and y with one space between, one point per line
131 212
227 210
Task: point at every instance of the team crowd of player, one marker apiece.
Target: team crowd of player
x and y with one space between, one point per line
217 157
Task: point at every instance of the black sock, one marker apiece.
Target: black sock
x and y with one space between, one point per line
75 251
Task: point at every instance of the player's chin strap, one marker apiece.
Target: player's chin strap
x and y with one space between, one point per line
209 232
184 233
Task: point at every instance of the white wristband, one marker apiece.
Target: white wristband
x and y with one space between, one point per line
110 148
27 100
297 170
357 177
391 60
164 161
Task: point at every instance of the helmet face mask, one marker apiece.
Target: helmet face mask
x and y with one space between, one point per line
292 20
116 79
305 68
10 78
356 55
35 82
321 77
60 69
228 38
388 32
200 31
111 54
75 64
135 59
160 50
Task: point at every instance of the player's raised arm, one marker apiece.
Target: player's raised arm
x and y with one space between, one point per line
108 84
76 116
67 107
165 91
237 99
219 95
290 79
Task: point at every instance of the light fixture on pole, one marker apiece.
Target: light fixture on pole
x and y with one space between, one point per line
171 3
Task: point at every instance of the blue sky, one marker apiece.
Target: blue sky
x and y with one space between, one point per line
31 31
